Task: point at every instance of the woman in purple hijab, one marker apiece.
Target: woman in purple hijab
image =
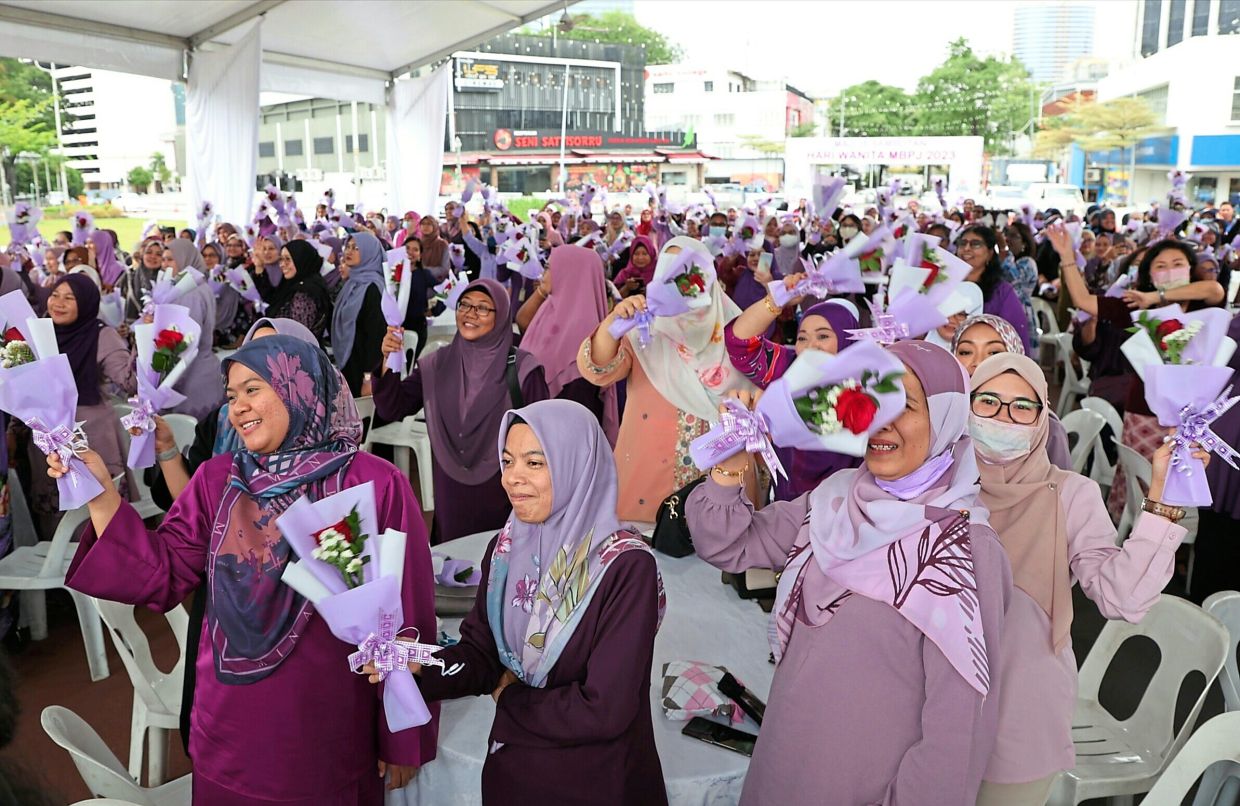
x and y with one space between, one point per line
825 327
267 263
888 620
465 387
569 670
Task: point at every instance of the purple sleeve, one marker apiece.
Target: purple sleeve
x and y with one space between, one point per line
158 568
534 386
730 535
476 246
759 359
1004 304
398 509
1057 449
396 399
603 705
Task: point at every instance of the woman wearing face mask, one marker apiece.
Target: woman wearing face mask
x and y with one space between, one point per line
1163 277
201 382
850 227
274 703
824 327
895 701
787 250
1018 268
570 680
674 387
358 326
981 336
639 271
465 387
1056 531
976 246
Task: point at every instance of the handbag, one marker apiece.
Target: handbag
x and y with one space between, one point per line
671 530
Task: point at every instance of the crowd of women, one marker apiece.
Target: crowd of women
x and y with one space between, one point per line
555 434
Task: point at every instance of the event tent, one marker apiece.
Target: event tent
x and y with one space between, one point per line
229 50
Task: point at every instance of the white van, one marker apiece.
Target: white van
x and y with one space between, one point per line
1065 198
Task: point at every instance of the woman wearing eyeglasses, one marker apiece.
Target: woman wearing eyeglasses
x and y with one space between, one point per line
465 388
1056 531
976 245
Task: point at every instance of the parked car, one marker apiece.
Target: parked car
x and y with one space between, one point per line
130 203
1004 197
1065 198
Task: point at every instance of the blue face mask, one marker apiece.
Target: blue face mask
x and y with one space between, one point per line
718 232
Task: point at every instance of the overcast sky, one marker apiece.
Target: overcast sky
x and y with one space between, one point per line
821 47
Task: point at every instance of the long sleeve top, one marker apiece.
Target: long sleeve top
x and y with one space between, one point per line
1038 691
486 258
368 343
279 738
589 728
865 707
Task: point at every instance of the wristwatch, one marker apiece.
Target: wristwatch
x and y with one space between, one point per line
168 455
1162 297
1173 514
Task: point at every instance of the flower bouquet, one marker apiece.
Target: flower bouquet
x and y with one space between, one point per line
22 219
165 291
826 194
165 349
450 290
353 576
823 402
917 293
836 273
395 300
83 228
43 395
521 255
873 253
27 333
1182 358
686 286
243 283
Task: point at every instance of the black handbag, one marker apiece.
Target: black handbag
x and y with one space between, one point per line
671 530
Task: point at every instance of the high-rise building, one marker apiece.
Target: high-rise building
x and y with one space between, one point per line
1048 36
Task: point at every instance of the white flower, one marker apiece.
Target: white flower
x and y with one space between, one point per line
354 565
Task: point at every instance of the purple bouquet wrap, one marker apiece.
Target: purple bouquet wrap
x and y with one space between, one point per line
244 285
395 317
663 298
1190 398
43 395
156 394
837 273
738 429
1116 291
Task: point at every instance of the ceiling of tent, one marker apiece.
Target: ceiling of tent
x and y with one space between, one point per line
363 39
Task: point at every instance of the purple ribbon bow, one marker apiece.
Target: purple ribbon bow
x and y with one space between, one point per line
739 429
390 655
642 320
66 443
1195 427
887 330
142 416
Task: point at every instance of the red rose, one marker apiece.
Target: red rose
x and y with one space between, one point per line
934 272
168 339
1165 329
698 281
400 270
856 410
13 334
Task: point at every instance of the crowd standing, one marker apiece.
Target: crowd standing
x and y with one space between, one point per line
561 412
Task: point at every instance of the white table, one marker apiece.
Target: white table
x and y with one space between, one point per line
705 621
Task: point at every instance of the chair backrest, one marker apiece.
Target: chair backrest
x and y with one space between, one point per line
1137 469
437 340
1216 740
1225 606
1087 426
1045 316
101 771
1063 342
365 413
183 428
23 525
161 692
54 564
1189 639
1108 412
410 349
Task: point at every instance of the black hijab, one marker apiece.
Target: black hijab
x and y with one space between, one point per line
80 339
307 280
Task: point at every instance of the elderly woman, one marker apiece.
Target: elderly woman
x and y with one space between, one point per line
275 701
1054 526
569 671
883 692
465 387
200 383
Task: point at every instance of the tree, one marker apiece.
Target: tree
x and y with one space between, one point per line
966 95
1120 123
616 27
806 129
872 109
140 178
159 169
27 114
767 148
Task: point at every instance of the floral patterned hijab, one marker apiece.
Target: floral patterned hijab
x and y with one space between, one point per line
253 619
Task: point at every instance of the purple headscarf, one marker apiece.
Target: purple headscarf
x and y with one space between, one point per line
838 316
368 272
273 269
253 619
465 390
80 340
110 269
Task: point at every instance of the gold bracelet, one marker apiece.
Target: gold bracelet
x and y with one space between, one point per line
771 306
731 474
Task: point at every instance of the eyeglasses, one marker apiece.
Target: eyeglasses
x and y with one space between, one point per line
971 244
482 311
1021 411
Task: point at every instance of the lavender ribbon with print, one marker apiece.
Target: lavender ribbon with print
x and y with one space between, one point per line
838 273
43 395
738 429
1190 398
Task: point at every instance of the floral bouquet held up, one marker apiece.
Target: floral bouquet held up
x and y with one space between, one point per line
1182 358
395 300
165 349
353 576
687 287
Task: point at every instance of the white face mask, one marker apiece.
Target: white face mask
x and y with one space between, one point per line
847 233
664 263
789 240
1000 443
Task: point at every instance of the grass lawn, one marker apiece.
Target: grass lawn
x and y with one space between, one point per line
129 230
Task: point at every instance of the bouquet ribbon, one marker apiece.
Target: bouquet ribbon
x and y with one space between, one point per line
383 650
66 443
1195 427
739 429
142 416
642 320
887 330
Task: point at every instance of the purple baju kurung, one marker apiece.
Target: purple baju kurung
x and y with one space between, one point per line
311 732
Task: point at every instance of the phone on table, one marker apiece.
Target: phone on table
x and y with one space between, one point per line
729 738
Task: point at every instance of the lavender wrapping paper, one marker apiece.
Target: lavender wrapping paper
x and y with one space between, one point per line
155 395
1170 390
1210 347
664 299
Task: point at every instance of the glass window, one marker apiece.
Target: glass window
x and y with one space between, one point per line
1175 22
363 142
1201 17
666 88
1157 99
1151 18
1228 17
1235 100
324 145
709 86
267 149
292 148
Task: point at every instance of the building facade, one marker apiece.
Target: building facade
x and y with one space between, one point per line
1047 37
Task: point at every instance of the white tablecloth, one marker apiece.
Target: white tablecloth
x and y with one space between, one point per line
705 621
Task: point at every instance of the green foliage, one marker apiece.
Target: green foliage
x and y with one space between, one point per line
159 168
140 178
1102 126
769 148
617 27
873 109
806 129
67 211
23 125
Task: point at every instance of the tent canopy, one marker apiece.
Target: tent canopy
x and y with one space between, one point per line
344 50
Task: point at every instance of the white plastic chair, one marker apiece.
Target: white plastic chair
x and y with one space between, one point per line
99 767
1137 474
140 493
33 570
409 434
1119 758
183 428
1103 469
1075 384
156 695
1048 324
1108 411
1218 740
1225 606
1087 426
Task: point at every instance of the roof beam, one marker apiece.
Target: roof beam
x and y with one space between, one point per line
232 21
291 60
62 22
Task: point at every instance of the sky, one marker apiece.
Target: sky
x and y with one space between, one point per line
822 47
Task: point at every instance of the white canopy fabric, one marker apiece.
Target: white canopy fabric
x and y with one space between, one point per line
416 119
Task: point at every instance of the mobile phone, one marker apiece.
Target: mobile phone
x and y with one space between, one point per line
746 699
729 738
764 261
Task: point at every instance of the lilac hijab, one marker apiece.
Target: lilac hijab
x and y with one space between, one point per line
273 269
253 619
838 316
110 269
368 272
